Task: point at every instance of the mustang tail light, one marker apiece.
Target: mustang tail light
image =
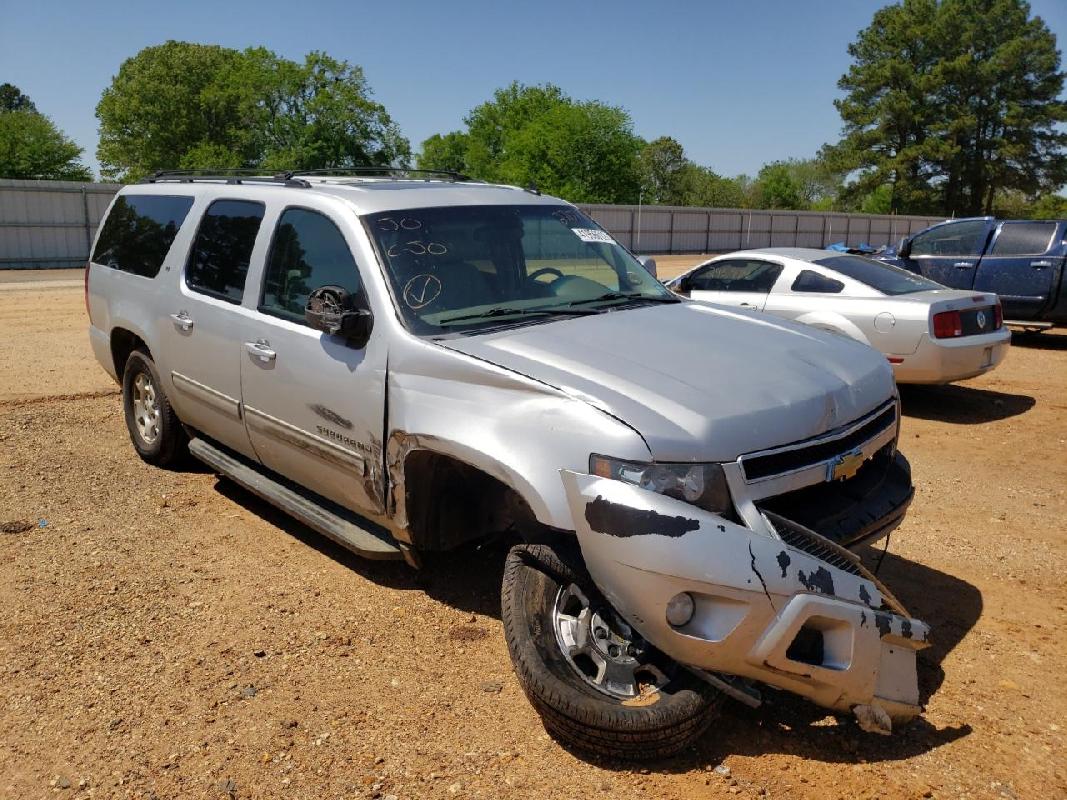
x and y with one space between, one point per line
998 315
948 325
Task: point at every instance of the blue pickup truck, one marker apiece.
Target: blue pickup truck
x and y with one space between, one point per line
1023 261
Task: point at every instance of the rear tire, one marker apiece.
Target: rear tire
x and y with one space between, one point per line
155 431
573 710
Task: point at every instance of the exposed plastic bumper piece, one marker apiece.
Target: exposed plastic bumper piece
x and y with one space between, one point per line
764 610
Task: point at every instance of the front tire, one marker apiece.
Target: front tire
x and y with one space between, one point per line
155 431
606 694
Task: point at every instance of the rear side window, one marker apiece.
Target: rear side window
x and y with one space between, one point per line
139 231
1024 238
811 281
308 252
222 251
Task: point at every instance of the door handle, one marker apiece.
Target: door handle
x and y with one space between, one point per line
182 320
1040 264
261 350
963 265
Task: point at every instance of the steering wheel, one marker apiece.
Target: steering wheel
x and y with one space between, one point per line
545 271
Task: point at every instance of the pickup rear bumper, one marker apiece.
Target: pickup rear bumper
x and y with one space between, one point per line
821 627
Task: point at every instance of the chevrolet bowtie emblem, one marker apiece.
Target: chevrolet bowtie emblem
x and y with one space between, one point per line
845 466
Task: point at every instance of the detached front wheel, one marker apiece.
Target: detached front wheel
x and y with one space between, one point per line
598 686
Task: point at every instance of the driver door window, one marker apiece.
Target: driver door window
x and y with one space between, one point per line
307 252
966 238
740 282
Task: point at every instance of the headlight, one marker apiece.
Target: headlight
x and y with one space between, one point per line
702 485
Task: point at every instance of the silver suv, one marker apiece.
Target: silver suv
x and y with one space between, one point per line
410 363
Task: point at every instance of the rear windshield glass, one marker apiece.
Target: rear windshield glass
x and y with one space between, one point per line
883 277
139 231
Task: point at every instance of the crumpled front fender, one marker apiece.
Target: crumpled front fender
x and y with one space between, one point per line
765 609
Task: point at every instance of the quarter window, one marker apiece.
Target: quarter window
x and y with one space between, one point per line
1024 238
308 252
218 262
811 281
139 231
965 238
736 275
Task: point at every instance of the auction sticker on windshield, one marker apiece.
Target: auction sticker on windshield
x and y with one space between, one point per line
592 235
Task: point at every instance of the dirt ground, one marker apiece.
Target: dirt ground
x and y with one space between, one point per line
164 634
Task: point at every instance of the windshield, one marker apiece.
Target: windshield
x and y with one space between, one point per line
886 278
458 268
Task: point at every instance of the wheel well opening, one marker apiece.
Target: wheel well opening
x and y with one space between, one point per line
449 502
123 342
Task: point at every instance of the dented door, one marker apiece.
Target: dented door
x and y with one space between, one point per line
313 404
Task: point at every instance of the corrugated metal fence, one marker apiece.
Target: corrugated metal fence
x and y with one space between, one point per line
46 224
682 229
52 224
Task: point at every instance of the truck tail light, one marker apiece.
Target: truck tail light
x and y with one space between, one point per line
948 325
998 315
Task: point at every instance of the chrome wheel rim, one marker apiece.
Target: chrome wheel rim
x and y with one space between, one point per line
602 649
146 408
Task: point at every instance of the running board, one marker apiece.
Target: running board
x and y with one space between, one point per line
298 503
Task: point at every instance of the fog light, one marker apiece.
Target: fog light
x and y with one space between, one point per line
680 609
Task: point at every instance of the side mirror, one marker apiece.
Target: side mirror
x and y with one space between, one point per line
649 263
333 310
682 286
904 248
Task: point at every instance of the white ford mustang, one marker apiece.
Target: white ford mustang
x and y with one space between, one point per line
929 333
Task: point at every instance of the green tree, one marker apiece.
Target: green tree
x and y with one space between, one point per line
665 172
778 187
1051 206
950 102
186 105
32 147
12 99
445 151
584 151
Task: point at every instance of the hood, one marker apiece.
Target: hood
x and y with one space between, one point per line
698 382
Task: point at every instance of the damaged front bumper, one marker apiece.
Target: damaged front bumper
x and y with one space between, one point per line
794 612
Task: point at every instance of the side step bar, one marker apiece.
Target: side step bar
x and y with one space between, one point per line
318 514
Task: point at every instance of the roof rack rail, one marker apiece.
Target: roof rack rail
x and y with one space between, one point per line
429 174
231 176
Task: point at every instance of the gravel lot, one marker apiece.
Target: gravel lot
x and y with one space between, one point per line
164 634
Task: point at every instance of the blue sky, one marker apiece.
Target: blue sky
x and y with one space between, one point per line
738 84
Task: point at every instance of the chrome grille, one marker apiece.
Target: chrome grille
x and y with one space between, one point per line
790 458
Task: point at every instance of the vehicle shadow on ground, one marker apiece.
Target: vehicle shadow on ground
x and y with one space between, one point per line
961 405
1039 341
467 578
791 725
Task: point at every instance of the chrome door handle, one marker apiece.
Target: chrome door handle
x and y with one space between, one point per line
963 265
1040 264
182 320
261 350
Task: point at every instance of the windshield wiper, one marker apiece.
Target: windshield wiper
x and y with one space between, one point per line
649 298
521 312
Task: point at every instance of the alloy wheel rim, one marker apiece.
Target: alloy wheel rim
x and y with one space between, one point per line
146 414
602 648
